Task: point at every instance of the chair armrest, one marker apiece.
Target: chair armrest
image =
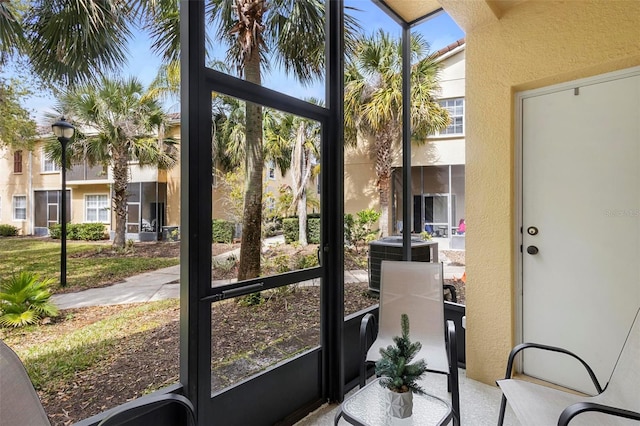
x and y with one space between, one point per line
580 407
368 334
524 346
129 411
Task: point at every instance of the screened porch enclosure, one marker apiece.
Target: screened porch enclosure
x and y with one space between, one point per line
327 365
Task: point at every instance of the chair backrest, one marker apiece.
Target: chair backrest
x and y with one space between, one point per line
19 402
415 289
623 390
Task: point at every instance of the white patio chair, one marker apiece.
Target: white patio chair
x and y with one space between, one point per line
415 289
20 405
617 404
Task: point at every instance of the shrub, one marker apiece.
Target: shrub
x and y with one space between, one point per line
290 229
281 263
360 230
24 298
221 231
55 231
91 231
313 230
308 261
8 231
80 231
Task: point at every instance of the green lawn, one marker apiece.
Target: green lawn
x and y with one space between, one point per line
91 270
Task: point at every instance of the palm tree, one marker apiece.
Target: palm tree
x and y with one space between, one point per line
293 31
68 43
12 38
293 143
128 126
373 102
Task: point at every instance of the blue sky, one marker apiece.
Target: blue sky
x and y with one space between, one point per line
439 32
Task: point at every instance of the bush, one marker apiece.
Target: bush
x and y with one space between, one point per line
313 230
80 231
55 231
360 230
222 231
24 298
290 229
307 261
8 231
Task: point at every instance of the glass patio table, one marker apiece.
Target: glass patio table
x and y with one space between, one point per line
366 408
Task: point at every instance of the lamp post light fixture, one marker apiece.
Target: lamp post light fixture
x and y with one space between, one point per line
64 132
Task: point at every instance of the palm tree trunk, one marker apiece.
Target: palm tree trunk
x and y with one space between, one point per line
384 141
302 218
249 266
120 179
300 172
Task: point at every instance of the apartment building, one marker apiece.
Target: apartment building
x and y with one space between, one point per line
437 165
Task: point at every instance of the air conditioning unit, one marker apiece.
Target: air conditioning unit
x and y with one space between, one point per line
390 248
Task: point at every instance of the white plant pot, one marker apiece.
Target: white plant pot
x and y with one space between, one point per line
399 405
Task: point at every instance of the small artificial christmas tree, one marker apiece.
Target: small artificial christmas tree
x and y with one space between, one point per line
394 367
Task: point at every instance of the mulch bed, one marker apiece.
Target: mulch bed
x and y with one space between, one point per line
245 340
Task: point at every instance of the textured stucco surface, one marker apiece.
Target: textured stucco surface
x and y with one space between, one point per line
532 45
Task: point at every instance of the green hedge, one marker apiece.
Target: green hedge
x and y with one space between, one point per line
313 230
8 231
80 231
290 229
222 231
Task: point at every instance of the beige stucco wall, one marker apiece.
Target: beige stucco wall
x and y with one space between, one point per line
534 44
13 184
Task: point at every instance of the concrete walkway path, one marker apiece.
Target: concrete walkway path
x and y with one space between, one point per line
165 284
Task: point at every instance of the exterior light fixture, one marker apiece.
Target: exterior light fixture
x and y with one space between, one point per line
64 132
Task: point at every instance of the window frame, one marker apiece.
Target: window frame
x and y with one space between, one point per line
15 208
442 133
17 161
46 161
271 170
106 209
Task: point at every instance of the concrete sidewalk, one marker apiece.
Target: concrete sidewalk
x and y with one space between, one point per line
165 284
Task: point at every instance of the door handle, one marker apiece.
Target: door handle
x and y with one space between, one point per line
532 250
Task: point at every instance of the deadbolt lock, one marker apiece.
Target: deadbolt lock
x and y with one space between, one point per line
532 230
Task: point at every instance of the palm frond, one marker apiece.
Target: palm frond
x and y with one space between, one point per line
73 41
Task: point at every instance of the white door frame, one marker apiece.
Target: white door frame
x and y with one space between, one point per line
518 240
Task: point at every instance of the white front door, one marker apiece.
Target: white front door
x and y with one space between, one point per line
580 225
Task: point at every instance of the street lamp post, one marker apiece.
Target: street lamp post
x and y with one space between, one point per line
64 132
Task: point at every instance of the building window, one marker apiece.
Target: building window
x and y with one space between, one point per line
97 208
48 165
272 170
17 162
455 108
20 207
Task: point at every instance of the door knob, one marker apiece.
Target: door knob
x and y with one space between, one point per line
532 250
